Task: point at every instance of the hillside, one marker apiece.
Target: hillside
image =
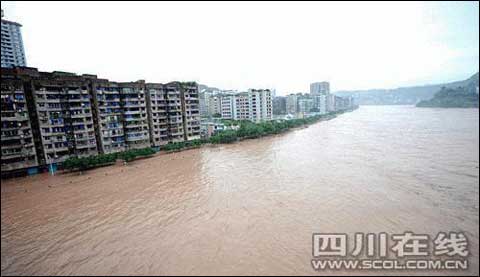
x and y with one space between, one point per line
459 97
403 95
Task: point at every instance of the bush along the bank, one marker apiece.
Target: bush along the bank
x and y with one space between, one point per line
175 146
84 163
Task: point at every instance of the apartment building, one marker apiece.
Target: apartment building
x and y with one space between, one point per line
305 105
49 117
227 106
330 103
292 104
319 103
135 114
214 105
64 116
157 103
17 145
320 88
279 105
174 112
242 108
175 125
108 115
190 109
254 105
261 108
13 52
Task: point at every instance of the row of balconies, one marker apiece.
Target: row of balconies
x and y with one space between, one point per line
19 144
18 153
16 116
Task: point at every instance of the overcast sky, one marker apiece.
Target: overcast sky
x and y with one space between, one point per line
264 45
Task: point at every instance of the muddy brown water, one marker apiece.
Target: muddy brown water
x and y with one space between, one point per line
251 207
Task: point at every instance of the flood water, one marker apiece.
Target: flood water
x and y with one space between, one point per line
251 207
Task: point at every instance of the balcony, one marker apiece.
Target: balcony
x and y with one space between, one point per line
141 118
136 125
17 117
137 138
86 145
134 112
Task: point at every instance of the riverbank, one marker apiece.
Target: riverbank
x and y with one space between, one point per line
246 130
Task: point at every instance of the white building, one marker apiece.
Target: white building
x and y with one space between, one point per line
261 106
227 106
254 105
13 53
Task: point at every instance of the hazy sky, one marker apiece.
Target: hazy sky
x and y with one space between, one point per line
240 45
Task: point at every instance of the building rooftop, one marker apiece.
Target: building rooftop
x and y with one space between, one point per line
11 22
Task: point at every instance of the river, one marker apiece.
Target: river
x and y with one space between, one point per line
251 207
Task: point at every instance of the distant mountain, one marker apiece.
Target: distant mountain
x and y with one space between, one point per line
402 95
460 97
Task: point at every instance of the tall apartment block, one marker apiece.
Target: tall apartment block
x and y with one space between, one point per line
279 105
292 104
63 112
254 105
190 109
174 109
174 112
157 104
242 109
49 117
320 88
13 53
135 114
108 115
227 106
214 105
18 149
261 107
320 102
305 105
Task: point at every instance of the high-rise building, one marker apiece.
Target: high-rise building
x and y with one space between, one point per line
13 53
261 108
320 88
49 117
305 104
174 112
330 103
254 105
227 106
292 104
135 114
63 116
17 144
203 98
279 105
214 105
190 109
157 104
242 107
320 103
108 116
